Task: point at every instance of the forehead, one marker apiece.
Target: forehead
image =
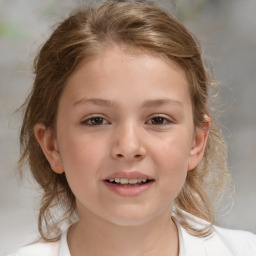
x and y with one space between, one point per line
112 52
124 69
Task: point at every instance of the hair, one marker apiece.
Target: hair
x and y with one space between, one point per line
83 35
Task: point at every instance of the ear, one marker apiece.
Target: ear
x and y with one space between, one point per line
199 144
48 142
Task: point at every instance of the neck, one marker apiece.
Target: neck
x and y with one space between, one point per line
156 237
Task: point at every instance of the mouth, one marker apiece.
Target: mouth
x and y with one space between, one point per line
124 182
129 183
129 187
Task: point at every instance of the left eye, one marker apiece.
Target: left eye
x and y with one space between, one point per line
95 121
158 120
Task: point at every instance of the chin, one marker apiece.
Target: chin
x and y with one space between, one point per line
129 222
130 217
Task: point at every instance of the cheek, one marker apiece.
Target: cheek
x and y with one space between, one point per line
172 159
175 149
81 156
79 149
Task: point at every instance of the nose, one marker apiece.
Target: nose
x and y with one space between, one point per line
128 144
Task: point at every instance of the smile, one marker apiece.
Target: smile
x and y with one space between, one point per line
124 181
129 187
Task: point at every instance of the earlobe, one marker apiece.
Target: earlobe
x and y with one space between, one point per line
48 142
199 144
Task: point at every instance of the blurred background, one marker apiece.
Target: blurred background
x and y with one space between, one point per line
227 32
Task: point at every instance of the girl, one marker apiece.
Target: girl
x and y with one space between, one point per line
118 133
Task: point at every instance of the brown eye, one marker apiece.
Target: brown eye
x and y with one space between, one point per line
159 121
94 121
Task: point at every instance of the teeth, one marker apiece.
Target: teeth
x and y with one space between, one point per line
123 181
127 181
133 181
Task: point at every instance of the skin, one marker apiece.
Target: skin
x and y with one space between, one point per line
128 136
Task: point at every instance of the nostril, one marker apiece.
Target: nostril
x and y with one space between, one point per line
129 157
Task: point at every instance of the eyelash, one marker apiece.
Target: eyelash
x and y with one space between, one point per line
86 121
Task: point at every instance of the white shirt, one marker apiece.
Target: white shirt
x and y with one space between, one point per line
222 242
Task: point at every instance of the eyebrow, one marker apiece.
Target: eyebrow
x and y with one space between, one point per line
146 104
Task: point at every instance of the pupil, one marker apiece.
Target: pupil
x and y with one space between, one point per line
157 120
97 120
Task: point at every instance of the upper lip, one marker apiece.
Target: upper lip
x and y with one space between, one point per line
128 175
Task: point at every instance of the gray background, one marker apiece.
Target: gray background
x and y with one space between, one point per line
227 31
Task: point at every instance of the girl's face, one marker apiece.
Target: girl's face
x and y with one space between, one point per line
125 118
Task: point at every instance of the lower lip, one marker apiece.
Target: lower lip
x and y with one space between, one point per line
129 190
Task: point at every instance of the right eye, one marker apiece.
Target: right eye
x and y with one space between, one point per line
94 121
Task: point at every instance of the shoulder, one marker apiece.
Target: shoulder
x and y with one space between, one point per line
236 240
221 241
39 249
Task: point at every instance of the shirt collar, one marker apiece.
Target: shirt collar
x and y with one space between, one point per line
190 245
64 250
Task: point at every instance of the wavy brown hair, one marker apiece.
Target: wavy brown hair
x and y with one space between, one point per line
83 35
